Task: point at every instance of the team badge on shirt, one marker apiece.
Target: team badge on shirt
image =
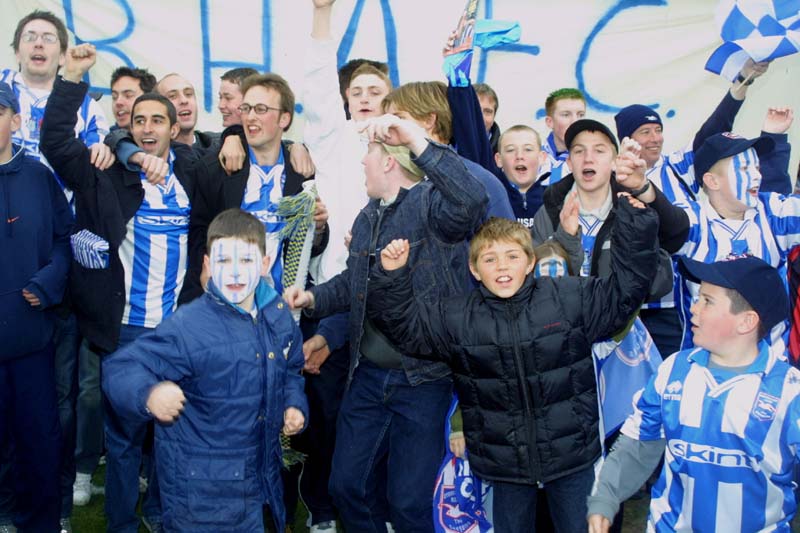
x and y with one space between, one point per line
765 406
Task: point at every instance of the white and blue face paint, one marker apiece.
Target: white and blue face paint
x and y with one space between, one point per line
235 268
553 266
744 177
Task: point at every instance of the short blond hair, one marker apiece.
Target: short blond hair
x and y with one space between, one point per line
500 230
421 98
520 128
368 68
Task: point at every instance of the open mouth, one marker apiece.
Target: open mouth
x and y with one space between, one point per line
185 114
38 58
588 173
148 143
235 287
503 280
521 168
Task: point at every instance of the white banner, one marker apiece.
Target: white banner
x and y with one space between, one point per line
618 52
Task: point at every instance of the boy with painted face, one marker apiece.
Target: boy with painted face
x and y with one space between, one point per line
735 218
221 376
723 415
519 348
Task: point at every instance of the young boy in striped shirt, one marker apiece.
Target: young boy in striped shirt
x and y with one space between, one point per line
724 414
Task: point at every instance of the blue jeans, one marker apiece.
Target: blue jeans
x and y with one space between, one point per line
31 426
66 340
514 507
89 411
389 446
124 439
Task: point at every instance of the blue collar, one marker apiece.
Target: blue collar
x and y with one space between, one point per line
264 295
760 365
265 168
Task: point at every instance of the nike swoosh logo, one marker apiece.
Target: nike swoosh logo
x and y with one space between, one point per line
12 220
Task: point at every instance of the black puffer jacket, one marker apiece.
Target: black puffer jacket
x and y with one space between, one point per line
523 366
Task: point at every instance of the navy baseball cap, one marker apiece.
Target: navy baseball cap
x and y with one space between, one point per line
631 117
587 124
8 98
759 284
722 145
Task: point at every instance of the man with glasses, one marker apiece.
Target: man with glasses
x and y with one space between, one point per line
40 42
266 112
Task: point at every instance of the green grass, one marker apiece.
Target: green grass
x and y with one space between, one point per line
90 518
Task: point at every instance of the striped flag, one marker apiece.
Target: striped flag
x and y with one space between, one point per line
759 29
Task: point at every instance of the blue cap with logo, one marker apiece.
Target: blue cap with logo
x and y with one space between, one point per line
8 98
722 145
759 284
630 118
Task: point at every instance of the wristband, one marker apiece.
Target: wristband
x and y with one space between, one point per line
741 79
638 192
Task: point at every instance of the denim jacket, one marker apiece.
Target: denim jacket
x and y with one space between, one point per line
436 216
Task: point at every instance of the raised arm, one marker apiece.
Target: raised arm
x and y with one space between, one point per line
322 104
68 156
459 200
416 328
630 174
775 165
722 118
609 302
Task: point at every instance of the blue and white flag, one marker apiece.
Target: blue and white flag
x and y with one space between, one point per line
89 250
461 501
622 369
759 29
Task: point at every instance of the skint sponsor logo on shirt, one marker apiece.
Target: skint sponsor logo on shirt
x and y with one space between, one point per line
701 453
150 220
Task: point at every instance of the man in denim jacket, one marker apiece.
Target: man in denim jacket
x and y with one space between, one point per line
392 416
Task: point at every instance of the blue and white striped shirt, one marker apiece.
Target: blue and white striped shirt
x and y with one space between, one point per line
261 197
91 127
768 232
731 443
555 164
154 252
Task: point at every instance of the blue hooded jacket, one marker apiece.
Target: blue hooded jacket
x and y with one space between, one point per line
220 461
34 239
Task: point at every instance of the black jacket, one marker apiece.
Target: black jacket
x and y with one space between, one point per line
523 366
217 192
104 203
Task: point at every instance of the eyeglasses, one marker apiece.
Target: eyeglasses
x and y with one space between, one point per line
32 37
260 109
